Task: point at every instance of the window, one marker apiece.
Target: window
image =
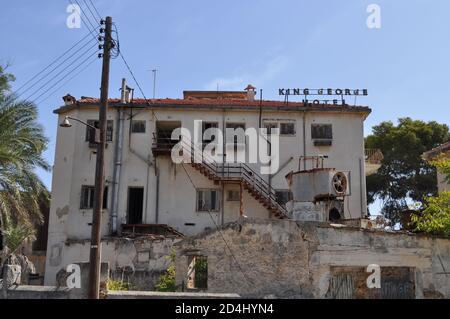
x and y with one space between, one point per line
287 129
198 273
270 127
137 126
205 127
90 133
283 196
233 196
87 197
321 131
207 200
237 138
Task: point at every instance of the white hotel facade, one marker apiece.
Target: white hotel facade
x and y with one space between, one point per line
144 188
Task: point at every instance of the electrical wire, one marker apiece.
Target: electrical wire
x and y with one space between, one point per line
52 70
53 62
95 9
89 8
220 232
70 72
70 79
87 18
60 72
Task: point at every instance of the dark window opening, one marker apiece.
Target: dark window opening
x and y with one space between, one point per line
334 215
90 132
237 138
287 129
270 127
135 205
162 140
137 126
322 131
198 273
283 196
207 200
210 137
87 197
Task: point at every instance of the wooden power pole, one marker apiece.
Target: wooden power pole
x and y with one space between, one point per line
95 250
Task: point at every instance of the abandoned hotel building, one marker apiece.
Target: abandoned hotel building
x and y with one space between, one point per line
299 232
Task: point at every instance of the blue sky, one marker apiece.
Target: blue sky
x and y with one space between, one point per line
287 43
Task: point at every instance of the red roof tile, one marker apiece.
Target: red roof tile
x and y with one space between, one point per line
192 103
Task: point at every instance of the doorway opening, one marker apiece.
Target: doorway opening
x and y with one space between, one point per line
135 205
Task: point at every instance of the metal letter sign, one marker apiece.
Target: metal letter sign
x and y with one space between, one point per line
332 93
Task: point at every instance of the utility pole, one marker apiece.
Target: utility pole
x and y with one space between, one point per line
95 250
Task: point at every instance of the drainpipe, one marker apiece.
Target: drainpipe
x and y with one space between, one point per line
157 193
117 170
304 139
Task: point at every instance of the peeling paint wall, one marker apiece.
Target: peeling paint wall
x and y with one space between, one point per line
289 259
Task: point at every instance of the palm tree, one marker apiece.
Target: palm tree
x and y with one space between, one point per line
22 143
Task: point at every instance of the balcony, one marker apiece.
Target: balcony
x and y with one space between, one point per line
373 161
163 146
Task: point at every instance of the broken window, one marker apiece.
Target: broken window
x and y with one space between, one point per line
283 196
87 197
137 126
207 200
270 127
135 205
322 134
209 137
233 195
321 131
235 135
198 273
90 132
287 128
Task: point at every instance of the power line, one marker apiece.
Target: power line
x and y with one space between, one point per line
60 79
220 232
98 14
70 79
89 8
87 18
52 70
55 60
60 72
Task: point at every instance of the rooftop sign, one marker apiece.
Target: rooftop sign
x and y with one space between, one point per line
323 96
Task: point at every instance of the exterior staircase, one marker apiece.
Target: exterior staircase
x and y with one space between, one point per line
240 173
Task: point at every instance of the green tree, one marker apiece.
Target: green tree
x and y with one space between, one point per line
22 143
404 174
5 80
167 280
435 216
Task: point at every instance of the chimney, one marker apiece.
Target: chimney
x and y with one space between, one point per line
251 92
69 99
123 91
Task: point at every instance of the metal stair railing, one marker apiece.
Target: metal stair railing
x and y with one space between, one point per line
231 171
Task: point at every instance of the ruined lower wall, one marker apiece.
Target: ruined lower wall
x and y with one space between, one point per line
288 259
140 261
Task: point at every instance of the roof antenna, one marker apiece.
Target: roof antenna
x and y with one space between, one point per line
154 82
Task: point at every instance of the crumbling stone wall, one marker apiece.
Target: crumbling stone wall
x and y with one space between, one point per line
139 261
288 259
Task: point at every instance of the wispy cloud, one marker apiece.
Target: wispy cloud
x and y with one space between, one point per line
257 74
